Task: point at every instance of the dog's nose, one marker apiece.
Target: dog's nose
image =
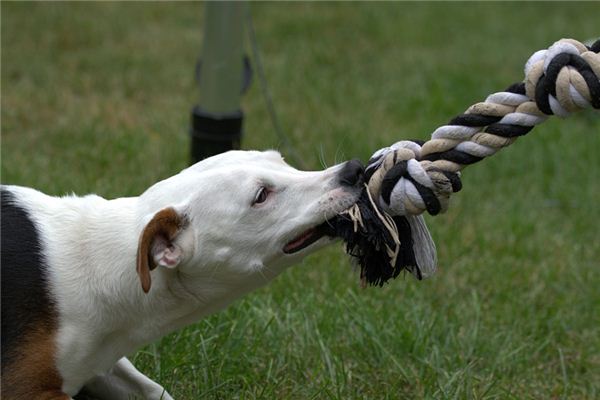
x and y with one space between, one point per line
352 173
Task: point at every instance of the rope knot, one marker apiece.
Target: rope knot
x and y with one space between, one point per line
384 229
564 78
411 177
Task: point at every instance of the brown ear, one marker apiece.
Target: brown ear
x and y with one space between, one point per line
160 231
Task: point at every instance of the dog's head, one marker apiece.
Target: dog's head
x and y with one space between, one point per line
241 215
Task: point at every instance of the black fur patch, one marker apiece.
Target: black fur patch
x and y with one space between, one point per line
25 299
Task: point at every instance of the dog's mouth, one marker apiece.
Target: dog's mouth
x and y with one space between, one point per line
308 237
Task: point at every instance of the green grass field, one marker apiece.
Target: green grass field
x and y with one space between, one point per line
96 98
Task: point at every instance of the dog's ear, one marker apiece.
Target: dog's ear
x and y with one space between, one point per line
156 245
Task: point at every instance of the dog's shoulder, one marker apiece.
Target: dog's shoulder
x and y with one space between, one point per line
25 293
28 312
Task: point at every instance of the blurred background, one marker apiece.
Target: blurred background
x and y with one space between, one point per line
96 97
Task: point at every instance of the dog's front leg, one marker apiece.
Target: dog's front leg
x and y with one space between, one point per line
123 382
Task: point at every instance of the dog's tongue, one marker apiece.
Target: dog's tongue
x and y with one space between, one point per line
299 242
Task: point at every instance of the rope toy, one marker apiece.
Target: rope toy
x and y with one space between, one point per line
385 230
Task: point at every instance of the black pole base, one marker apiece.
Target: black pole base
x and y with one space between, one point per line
214 134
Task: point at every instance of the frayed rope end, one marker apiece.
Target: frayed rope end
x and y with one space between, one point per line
382 245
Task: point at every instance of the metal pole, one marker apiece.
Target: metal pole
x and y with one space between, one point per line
217 119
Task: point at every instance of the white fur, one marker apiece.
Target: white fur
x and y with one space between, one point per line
229 248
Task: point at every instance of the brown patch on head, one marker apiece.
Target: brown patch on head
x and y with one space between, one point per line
31 371
165 224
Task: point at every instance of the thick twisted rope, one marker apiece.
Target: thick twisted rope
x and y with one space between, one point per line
411 177
560 80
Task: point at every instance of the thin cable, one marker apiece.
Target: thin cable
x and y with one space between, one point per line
283 138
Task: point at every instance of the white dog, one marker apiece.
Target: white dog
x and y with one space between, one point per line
87 281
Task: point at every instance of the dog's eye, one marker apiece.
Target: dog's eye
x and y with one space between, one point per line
261 196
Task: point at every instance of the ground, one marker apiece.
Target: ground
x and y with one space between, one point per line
96 98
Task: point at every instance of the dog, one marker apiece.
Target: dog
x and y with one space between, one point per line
86 281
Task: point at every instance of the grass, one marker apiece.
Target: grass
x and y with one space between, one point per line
96 98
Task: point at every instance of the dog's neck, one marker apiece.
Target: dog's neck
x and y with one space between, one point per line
91 244
105 305
113 280
108 300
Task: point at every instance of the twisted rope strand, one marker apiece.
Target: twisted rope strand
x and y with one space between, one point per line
411 177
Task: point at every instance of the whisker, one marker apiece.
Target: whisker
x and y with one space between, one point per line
262 274
269 269
328 220
322 157
337 154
